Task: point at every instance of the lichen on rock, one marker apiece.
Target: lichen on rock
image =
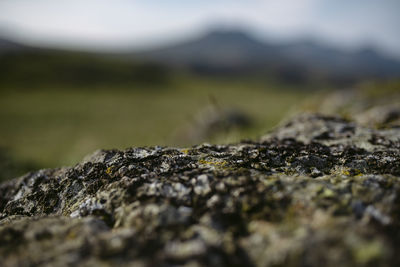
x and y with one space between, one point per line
318 190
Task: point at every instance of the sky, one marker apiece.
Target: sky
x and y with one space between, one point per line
106 24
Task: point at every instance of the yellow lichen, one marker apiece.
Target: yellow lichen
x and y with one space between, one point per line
215 163
185 151
346 172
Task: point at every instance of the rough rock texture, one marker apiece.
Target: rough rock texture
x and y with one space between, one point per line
318 191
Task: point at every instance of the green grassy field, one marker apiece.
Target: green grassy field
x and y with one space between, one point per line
51 126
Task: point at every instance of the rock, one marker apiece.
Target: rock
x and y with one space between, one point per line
318 190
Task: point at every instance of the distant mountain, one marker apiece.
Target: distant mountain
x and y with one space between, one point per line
10 46
215 53
238 52
216 48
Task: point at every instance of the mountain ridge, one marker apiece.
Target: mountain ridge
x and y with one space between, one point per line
236 49
232 52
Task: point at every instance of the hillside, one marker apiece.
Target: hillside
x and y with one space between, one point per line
43 67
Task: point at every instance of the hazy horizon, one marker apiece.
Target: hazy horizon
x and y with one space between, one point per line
100 25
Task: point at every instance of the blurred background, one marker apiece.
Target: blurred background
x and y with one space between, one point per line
80 75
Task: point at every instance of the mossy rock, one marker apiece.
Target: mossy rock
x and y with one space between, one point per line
317 191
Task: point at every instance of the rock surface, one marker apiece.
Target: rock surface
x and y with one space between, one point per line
318 191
